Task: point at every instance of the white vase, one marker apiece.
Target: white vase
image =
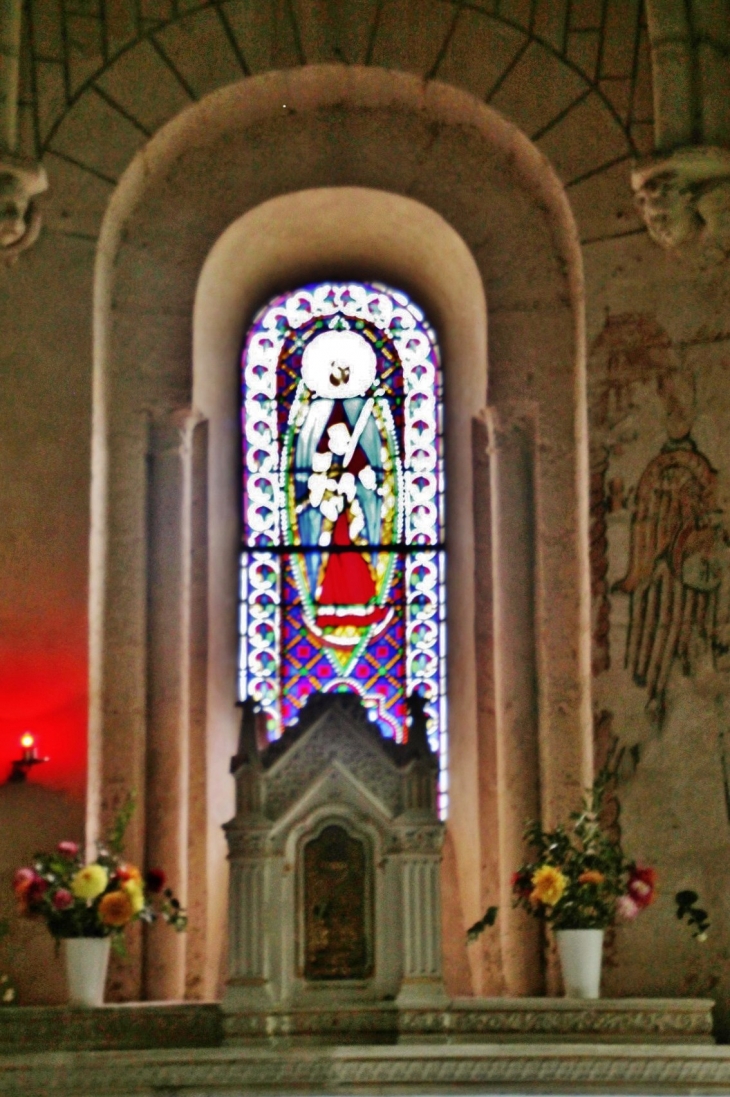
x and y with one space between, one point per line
87 960
581 952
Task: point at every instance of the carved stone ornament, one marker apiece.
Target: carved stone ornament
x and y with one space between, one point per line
335 855
685 196
21 181
547 1067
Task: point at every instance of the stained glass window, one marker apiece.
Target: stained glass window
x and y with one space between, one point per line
342 562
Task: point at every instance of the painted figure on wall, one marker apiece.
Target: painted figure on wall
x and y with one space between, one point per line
678 575
631 351
678 571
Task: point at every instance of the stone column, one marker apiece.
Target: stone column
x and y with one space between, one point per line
249 911
485 952
420 859
711 27
194 706
511 450
118 651
167 747
10 12
672 56
249 918
247 972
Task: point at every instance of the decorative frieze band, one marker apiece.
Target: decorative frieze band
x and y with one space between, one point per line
618 1069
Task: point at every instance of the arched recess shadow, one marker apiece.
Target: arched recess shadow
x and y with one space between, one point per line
164 529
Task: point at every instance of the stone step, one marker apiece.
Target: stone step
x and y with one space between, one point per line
111 1027
410 1069
616 1020
150 1025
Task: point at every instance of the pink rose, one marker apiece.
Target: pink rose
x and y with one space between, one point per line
29 889
22 880
68 849
627 908
642 885
62 899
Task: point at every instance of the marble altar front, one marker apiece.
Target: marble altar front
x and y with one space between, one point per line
335 851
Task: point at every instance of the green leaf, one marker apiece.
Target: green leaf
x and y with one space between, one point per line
114 841
490 917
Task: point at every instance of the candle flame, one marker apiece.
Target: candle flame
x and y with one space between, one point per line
27 741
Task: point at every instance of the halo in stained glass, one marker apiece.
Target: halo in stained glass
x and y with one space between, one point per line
342 564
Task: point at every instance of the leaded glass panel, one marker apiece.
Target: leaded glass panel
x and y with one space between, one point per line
342 564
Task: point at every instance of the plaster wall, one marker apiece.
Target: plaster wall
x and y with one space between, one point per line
658 349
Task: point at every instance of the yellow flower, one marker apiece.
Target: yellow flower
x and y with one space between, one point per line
115 909
548 885
591 876
133 890
89 881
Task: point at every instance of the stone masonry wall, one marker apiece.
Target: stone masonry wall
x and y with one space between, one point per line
99 79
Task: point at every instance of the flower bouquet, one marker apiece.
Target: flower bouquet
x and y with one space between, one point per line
88 904
580 882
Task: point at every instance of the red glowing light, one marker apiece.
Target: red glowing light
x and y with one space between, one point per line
45 690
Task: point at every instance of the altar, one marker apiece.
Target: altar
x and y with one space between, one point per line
334 971
525 1046
335 854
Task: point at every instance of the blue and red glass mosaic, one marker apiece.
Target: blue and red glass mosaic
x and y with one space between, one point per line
342 566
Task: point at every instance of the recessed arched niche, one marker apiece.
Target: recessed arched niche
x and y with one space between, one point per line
363 175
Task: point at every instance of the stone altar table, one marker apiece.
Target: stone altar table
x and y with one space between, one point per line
335 962
335 854
184 1025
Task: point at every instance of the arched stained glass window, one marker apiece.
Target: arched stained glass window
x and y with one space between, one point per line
342 565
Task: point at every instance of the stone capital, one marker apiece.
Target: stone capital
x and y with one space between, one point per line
21 181
685 196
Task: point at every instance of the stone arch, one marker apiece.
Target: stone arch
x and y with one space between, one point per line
97 87
157 675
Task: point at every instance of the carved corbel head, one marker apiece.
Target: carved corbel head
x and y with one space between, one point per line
685 196
21 181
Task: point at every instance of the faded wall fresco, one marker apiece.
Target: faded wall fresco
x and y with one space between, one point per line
678 564
659 410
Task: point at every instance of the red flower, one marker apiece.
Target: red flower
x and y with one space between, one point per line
128 872
155 880
642 885
68 849
36 890
29 888
521 884
62 899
